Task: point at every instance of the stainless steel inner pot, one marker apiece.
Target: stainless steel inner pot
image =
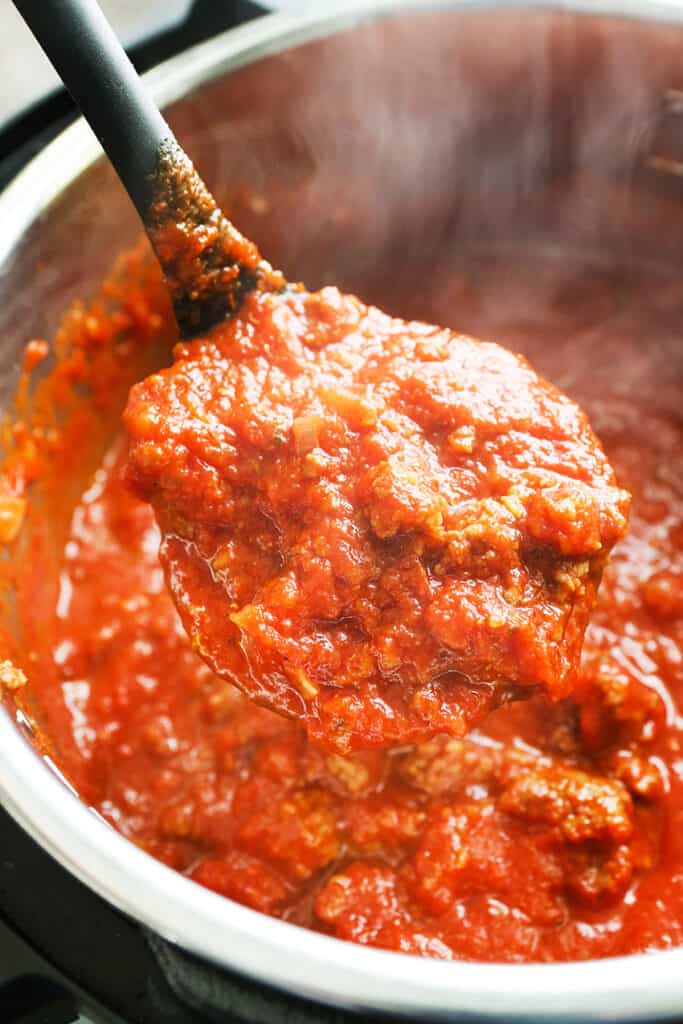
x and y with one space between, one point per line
343 139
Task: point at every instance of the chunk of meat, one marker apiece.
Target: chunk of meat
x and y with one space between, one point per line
579 805
243 878
472 849
298 833
382 528
366 904
378 826
591 820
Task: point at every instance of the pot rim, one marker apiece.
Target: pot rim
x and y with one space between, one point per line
182 912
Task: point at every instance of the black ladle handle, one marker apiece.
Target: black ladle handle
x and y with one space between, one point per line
209 267
93 65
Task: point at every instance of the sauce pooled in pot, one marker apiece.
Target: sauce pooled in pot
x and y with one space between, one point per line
552 832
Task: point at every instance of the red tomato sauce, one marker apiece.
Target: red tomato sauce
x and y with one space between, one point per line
381 528
553 832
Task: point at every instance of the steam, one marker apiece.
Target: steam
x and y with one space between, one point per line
388 141
380 157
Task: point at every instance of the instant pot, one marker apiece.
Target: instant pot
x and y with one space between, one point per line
384 131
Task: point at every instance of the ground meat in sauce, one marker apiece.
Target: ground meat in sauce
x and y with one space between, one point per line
382 528
551 833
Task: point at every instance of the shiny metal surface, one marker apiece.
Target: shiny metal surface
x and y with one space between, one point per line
61 188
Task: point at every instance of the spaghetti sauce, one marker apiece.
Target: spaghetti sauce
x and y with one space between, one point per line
553 831
382 528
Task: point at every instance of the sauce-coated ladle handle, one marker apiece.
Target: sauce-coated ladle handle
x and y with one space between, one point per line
208 265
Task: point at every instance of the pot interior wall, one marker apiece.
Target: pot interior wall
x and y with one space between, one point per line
390 143
408 137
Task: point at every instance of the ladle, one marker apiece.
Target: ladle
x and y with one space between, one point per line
383 528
